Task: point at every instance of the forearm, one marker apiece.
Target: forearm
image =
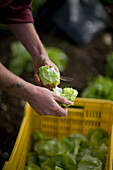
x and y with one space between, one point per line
26 33
12 83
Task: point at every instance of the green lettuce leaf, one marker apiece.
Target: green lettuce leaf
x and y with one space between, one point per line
46 147
65 145
32 166
69 93
61 160
38 136
89 163
49 75
58 168
98 137
32 158
99 141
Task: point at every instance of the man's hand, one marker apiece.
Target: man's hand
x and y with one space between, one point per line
44 60
44 102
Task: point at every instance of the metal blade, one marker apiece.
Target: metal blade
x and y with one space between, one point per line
68 79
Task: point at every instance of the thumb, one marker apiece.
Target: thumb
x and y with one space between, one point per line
62 100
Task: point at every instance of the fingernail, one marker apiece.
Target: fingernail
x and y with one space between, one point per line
69 102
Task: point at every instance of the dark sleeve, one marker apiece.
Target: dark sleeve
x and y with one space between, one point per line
18 11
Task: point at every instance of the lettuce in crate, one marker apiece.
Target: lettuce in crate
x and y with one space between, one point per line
72 152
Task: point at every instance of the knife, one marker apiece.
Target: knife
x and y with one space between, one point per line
68 79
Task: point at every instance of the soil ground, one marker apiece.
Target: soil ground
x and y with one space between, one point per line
84 62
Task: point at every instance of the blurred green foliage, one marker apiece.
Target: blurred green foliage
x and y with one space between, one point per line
102 86
21 60
36 4
58 57
109 65
4 27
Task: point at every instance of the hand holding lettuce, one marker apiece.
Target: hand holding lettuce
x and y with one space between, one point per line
51 78
69 93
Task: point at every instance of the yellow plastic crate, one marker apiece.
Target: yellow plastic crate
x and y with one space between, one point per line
86 114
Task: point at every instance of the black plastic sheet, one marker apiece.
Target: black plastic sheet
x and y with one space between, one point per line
79 20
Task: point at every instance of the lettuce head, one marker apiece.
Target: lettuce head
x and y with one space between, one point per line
69 93
49 75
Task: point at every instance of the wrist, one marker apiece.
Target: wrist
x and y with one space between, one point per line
18 89
26 91
29 90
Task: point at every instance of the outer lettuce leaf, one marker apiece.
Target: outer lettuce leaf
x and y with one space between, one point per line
61 160
98 137
58 168
46 147
38 136
49 75
99 141
72 143
32 158
65 145
32 166
69 93
90 163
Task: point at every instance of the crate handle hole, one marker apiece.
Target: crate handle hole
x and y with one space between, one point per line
77 107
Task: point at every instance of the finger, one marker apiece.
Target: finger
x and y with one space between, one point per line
61 111
51 87
61 99
54 114
56 68
57 110
37 79
51 64
35 66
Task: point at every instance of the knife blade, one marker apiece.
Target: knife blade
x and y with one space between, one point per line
64 78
